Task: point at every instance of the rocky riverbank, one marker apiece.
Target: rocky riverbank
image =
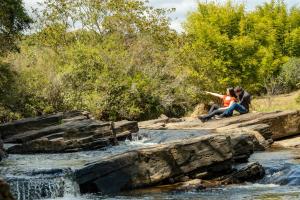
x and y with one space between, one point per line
209 158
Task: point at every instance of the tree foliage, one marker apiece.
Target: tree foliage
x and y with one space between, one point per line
120 60
246 48
13 20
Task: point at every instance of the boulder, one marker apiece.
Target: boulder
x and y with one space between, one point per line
5 193
153 165
242 146
250 173
258 142
124 129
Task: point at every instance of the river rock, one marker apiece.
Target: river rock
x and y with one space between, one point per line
12 128
2 151
243 146
153 165
5 193
272 126
124 129
250 173
293 142
74 132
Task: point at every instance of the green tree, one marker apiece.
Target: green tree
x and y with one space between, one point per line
13 20
245 48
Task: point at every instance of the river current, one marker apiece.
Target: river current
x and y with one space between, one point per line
49 176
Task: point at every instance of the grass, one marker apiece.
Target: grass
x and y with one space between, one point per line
276 103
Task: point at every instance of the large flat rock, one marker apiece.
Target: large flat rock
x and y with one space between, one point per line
274 125
64 132
12 128
153 165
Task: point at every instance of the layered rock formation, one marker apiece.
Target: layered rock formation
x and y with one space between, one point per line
266 127
152 166
192 162
179 165
64 132
250 173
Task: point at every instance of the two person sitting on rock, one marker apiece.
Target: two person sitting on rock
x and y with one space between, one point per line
240 102
228 100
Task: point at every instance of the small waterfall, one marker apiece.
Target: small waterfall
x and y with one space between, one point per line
43 186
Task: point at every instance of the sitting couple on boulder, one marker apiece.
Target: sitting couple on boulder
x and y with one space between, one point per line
235 99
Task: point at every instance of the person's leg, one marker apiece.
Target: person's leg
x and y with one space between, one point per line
229 111
213 108
235 106
241 109
210 115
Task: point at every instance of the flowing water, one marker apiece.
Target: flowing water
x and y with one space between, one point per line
49 176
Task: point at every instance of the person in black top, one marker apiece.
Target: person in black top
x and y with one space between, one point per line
242 106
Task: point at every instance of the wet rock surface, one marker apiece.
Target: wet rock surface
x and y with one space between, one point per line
64 132
3 154
5 193
250 173
151 166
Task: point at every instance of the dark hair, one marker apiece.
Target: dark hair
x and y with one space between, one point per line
238 89
231 92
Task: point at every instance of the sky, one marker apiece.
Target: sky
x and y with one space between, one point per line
183 7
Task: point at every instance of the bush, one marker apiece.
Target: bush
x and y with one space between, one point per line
288 78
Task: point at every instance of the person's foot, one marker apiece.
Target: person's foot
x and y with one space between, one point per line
219 117
203 119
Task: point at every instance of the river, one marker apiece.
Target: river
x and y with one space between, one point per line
49 176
